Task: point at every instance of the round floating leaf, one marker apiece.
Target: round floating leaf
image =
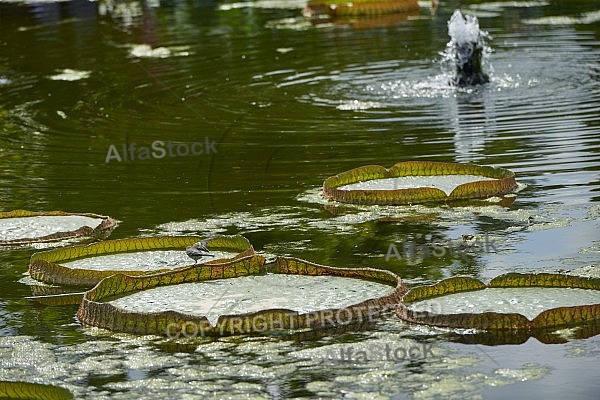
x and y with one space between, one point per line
21 227
496 324
410 182
338 8
32 391
98 306
49 266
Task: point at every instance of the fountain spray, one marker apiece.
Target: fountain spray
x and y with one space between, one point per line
467 49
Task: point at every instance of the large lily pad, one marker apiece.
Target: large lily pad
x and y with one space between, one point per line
413 182
87 265
21 227
492 307
336 8
117 303
32 391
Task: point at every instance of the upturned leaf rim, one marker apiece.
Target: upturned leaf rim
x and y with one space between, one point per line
357 8
47 266
499 327
95 311
33 391
503 183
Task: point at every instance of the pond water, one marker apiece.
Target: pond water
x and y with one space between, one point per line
213 117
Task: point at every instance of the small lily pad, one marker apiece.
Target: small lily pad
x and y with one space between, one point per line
240 298
413 182
87 265
21 227
523 304
446 183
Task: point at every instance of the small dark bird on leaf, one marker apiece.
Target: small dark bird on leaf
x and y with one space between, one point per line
198 250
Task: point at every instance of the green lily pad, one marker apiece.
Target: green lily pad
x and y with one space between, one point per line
251 294
517 305
413 182
21 227
86 265
240 298
333 8
32 391
528 301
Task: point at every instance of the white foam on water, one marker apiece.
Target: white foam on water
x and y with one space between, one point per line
146 51
208 372
587 18
68 74
592 271
357 105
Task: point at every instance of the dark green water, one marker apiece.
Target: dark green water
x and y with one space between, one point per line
288 104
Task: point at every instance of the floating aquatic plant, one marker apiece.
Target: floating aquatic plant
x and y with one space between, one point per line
412 182
33 391
507 326
112 303
335 8
76 265
21 227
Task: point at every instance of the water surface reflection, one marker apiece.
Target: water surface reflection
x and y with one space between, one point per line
288 104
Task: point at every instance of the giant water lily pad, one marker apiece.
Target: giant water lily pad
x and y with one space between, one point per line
413 182
336 8
21 227
87 265
240 298
33 391
510 308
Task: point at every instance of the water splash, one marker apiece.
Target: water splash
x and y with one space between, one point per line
466 52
